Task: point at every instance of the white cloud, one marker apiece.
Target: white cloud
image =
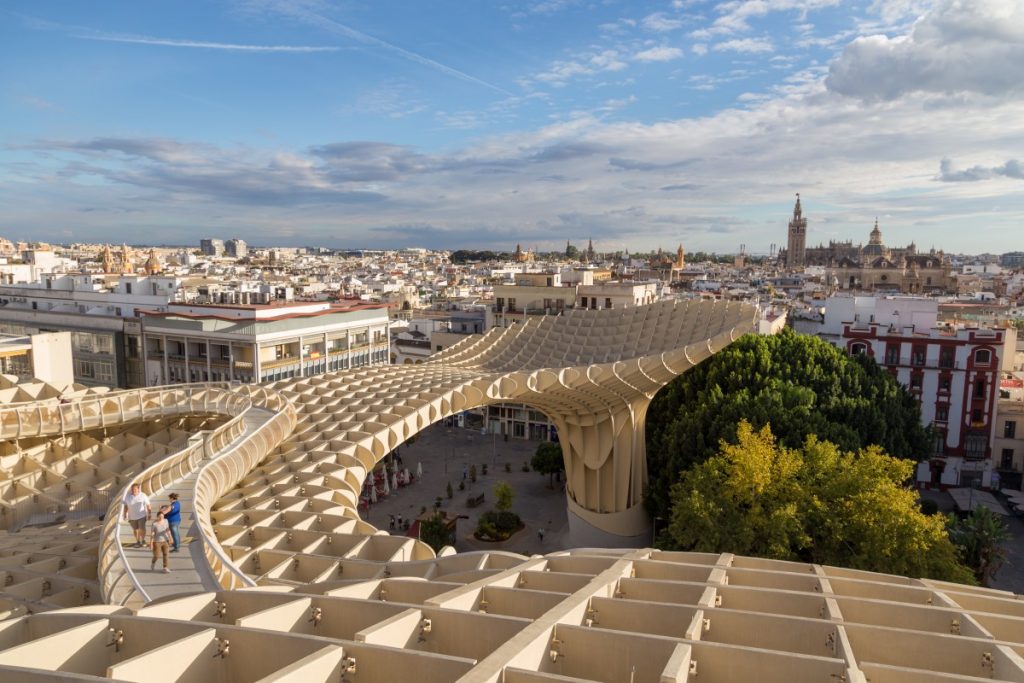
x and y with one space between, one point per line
659 54
1011 169
699 49
563 71
746 45
735 15
659 22
957 47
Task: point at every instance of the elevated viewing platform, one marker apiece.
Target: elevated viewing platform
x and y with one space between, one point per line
270 477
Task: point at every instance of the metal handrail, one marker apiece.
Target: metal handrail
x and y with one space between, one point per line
112 553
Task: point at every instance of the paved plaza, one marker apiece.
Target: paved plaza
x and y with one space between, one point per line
445 453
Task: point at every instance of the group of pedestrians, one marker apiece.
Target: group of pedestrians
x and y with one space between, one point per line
164 533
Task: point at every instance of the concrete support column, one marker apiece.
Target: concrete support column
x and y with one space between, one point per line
167 370
188 376
606 472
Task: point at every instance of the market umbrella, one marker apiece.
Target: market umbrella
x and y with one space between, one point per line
419 470
387 489
373 493
408 476
394 481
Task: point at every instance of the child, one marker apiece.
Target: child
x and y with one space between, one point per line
161 538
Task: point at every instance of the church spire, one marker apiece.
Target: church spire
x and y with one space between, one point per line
107 260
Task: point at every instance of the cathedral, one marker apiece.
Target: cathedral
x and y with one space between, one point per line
873 267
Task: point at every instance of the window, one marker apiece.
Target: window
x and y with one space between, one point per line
942 414
607 302
974 446
133 347
982 357
1010 429
127 288
946 358
916 380
892 354
918 357
82 341
939 445
512 304
98 372
500 303
979 389
1006 459
976 415
944 383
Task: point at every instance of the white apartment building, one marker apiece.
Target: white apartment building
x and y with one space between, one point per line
261 342
45 357
100 313
953 372
1008 447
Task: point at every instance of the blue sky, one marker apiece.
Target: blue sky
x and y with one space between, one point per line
479 124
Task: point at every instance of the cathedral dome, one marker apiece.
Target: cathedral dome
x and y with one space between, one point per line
875 247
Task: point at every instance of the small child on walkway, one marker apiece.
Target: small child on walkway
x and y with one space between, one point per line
161 539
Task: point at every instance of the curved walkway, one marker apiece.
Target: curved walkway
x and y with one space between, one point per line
189 570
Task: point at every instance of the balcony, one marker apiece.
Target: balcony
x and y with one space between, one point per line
926 363
279 362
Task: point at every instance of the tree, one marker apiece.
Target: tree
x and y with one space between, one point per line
548 460
503 495
800 384
434 532
572 252
814 503
980 537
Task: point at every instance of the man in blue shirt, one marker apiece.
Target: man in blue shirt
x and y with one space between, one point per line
172 513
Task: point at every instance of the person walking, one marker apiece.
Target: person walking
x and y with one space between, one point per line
137 510
172 513
161 538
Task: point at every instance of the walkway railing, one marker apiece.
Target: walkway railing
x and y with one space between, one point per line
118 584
222 474
49 417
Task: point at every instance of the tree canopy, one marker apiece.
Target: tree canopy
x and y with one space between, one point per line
548 460
814 503
980 537
434 532
503 496
799 384
469 255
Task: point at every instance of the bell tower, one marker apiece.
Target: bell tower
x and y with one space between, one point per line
796 246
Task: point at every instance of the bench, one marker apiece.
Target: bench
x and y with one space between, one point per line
473 501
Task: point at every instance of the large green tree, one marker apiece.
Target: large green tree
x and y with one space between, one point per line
799 384
813 503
